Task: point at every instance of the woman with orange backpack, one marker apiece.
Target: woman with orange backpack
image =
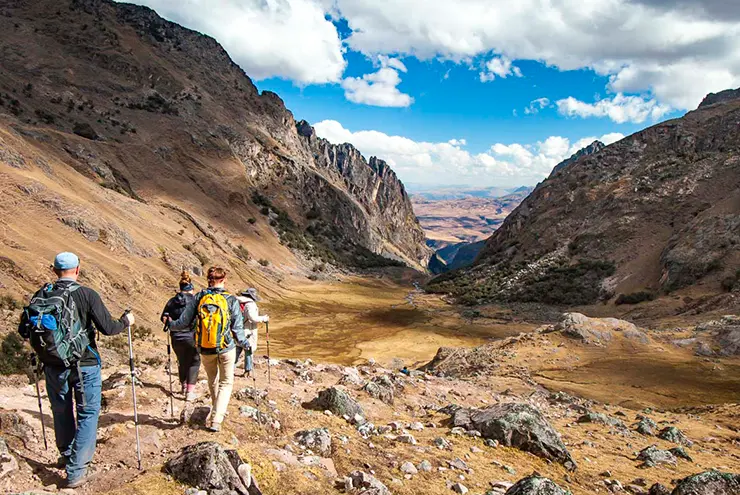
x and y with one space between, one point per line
219 328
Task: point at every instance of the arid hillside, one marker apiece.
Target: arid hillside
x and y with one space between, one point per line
655 213
142 146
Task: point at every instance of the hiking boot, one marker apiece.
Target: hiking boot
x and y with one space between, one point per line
215 427
62 461
77 482
191 396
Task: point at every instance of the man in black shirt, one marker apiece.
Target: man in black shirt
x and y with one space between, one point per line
79 384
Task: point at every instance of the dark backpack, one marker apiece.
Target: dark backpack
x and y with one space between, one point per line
54 326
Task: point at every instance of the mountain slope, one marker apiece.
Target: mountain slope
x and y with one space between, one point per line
657 211
110 115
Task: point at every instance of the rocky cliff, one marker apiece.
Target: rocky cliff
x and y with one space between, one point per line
161 115
656 212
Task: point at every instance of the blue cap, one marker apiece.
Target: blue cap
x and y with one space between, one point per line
251 293
66 261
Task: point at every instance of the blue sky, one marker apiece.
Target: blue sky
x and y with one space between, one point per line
479 92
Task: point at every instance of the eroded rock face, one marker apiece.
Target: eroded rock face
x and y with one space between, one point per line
536 485
709 483
381 388
336 400
208 466
517 425
318 440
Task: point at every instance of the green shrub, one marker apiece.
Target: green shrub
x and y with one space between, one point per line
264 262
141 332
15 358
635 297
241 252
10 303
252 220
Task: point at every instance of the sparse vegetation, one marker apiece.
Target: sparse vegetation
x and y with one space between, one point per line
44 116
141 332
241 252
10 303
264 262
15 359
252 220
635 297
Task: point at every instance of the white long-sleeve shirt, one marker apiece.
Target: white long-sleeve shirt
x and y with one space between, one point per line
251 319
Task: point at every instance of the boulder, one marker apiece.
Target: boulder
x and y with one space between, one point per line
208 466
709 483
673 434
14 425
351 376
646 426
536 485
409 468
318 440
361 483
602 419
597 331
336 400
652 456
518 425
378 390
680 453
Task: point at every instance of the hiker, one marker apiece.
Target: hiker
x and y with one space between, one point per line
183 341
248 300
219 327
66 312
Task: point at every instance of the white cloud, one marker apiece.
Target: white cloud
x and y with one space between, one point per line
448 162
378 89
678 54
619 108
499 67
291 39
536 105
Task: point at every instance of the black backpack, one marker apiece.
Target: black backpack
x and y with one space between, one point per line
54 326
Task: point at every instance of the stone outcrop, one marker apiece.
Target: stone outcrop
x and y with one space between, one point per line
598 330
318 440
517 425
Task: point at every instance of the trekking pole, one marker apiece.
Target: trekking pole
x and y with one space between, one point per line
267 335
133 390
35 365
169 365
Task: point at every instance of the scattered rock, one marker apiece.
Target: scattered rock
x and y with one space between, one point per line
336 400
709 483
318 440
442 443
425 466
13 424
380 388
658 489
521 426
673 434
406 439
362 483
603 419
350 376
652 456
459 488
458 464
251 393
536 485
409 468
209 467
646 426
416 426
681 453
8 464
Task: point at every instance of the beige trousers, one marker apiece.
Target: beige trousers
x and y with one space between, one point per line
220 371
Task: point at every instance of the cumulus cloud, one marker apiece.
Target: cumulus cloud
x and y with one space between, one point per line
536 105
291 39
498 67
379 88
619 108
643 45
439 162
